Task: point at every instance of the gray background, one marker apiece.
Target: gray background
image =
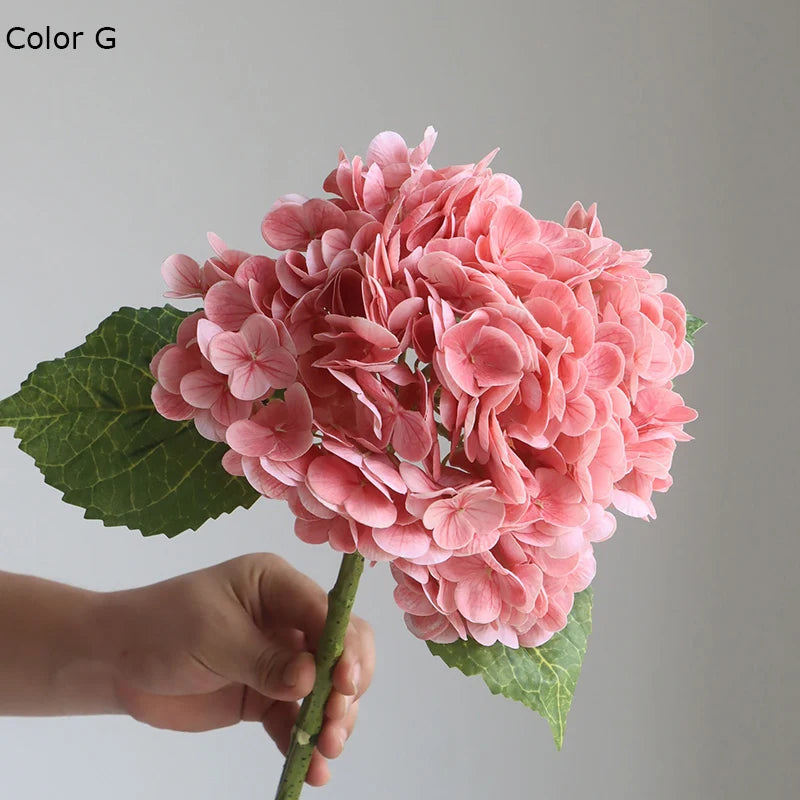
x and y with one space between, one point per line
679 118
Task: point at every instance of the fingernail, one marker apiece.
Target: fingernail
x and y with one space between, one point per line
342 738
291 673
356 676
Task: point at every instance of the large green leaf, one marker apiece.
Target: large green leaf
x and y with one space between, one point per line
542 678
88 422
693 324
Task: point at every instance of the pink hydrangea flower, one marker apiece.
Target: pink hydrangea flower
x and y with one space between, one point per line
430 375
253 358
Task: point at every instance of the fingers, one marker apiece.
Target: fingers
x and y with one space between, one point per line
353 672
278 722
281 674
268 662
333 736
189 713
337 706
276 593
351 678
288 599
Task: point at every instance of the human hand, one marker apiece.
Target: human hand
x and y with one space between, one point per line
233 643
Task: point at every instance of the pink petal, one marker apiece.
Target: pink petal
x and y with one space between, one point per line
217 243
255 268
250 439
208 427
485 515
487 635
567 545
232 464
262 481
601 524
578 416
169 405
406 541
156 359
202 387
632 504
558 293
404 311
299 405
406 573
375 195
367 546
384 472
605 364
311 504
182 274
496 358
259 333
249 382
386 148
433 628
567 515
227 352
557 567
411 436
369 507
175 362
419 155
478 598
312 531
279 368
557 487
413 601
291 226
341 536
332 479
284 229
458 569
228 305
206 331
367 330
291 473
229 409
433 555
617 334
417 481
291 444
515 234
322 215
450 527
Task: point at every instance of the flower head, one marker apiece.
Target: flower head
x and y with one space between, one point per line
430 375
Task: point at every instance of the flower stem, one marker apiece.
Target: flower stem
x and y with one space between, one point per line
309 722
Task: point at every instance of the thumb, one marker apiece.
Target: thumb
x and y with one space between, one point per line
272 666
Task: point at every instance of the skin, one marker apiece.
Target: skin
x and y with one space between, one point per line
227 644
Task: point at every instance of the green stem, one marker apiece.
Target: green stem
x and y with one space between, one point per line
312 712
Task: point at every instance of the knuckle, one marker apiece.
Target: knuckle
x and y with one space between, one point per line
267 666
256 562
246 572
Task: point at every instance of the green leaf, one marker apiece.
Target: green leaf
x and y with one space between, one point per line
542 678
693 324
88 422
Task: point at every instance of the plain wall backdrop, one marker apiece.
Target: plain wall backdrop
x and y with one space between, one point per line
679 118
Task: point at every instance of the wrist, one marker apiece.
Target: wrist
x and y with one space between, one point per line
86 677
52 661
